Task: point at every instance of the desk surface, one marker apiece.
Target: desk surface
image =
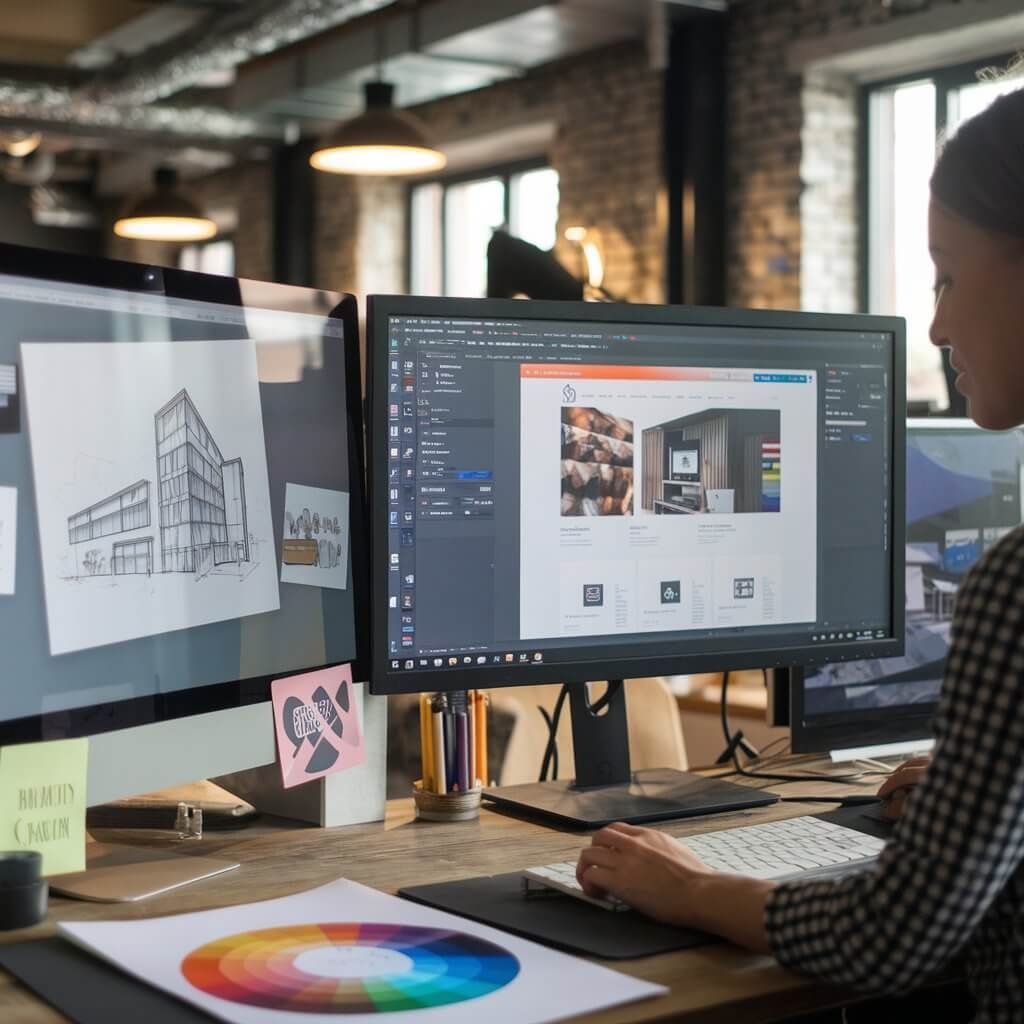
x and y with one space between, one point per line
279 858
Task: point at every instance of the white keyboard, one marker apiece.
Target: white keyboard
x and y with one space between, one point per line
777 850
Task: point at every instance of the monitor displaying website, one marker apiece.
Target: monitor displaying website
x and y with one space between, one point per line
556 486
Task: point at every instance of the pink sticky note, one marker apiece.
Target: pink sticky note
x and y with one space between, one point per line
317 724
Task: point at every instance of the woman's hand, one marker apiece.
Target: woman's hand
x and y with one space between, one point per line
661 878
646 869
897 788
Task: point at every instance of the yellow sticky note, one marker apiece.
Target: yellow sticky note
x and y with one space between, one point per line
42 801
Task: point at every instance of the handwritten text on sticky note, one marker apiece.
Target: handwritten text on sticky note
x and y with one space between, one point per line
317 724
42 801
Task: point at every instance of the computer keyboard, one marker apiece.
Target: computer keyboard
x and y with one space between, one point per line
793 848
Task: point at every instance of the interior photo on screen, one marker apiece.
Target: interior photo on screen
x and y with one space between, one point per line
718 460
964 492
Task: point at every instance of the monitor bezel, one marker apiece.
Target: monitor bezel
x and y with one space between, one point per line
171 282
381 307
867 727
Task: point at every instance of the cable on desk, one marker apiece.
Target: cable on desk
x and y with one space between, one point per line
551 749
851 800
735 741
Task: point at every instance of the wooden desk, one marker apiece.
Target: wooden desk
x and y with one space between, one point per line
717 982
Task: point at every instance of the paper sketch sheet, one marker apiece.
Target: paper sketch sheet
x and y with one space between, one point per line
529 985
151 487
8 538
314 544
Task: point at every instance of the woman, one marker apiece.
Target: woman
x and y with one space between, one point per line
950 879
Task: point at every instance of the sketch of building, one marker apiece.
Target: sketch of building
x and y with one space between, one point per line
126 512
196 485
200 501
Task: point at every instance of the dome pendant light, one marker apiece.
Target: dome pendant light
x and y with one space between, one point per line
165 215
382 140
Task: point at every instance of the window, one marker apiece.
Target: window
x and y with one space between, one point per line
451 220
904 120
216 257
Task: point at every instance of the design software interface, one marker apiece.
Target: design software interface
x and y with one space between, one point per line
558 485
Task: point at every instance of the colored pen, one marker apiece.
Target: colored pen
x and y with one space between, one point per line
450 777
426 737
471 722
437 747
481 738
462 751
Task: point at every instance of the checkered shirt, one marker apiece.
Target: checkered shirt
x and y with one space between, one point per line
950 878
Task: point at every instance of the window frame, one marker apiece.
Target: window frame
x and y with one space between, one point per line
946 79
503 171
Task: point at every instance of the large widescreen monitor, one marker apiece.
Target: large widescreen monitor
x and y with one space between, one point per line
571 492
180 480
964 492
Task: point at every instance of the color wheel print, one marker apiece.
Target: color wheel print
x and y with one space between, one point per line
349 968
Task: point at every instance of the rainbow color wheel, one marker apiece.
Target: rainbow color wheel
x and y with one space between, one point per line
349 968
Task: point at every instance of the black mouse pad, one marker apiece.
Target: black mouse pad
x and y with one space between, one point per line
575 925
88 990
557 920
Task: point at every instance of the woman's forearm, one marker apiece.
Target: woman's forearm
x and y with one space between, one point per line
732 907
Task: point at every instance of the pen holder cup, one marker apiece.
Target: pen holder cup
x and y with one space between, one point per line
447 806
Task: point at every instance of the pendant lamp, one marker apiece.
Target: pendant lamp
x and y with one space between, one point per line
165 215
382 140
19 143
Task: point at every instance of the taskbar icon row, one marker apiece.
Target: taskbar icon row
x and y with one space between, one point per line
469 660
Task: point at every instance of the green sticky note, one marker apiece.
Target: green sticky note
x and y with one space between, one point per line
42 801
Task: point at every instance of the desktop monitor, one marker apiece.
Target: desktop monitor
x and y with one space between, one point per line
964 491
180 475
525 527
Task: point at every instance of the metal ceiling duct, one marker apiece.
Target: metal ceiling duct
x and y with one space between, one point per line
129 103
34 103
274 26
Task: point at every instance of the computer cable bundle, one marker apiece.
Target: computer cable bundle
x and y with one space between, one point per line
735 741
550 761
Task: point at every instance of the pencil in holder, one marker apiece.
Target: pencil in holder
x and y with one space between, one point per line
453 746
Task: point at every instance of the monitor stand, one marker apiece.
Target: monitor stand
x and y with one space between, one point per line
125 874
605 789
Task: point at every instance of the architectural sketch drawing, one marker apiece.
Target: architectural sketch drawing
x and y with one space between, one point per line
314 544
201 507
202 494
160 506
125 513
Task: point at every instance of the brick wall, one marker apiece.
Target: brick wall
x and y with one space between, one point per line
792 176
